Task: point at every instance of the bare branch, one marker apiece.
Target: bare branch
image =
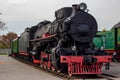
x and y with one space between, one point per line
2 25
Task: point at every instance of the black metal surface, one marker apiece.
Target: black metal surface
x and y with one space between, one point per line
42 30
63 13
83 27
24 41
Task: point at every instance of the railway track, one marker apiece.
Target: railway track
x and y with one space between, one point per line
107 76
67 77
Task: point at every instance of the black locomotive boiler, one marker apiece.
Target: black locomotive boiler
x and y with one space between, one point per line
66 44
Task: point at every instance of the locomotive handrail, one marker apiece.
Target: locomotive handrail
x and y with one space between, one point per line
38 39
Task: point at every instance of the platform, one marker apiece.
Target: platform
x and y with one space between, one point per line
114 70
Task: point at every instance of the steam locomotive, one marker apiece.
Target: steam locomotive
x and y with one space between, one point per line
64 45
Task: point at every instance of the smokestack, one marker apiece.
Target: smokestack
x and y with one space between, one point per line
74 9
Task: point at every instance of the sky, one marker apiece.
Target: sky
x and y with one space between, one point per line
20 14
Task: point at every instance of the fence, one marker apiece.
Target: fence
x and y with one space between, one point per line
5 51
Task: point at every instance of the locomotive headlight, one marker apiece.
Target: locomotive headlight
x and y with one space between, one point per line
82 6
33 52
73 47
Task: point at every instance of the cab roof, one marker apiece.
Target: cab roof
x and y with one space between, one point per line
116 25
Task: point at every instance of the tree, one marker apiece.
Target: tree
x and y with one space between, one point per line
5 40
2 25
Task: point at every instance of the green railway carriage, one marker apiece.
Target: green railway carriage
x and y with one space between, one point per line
110 40
99 40
15 46
118 32
113 38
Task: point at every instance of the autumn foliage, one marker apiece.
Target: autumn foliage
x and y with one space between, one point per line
5 40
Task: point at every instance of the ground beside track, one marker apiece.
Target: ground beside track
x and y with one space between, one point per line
114 70
11 69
